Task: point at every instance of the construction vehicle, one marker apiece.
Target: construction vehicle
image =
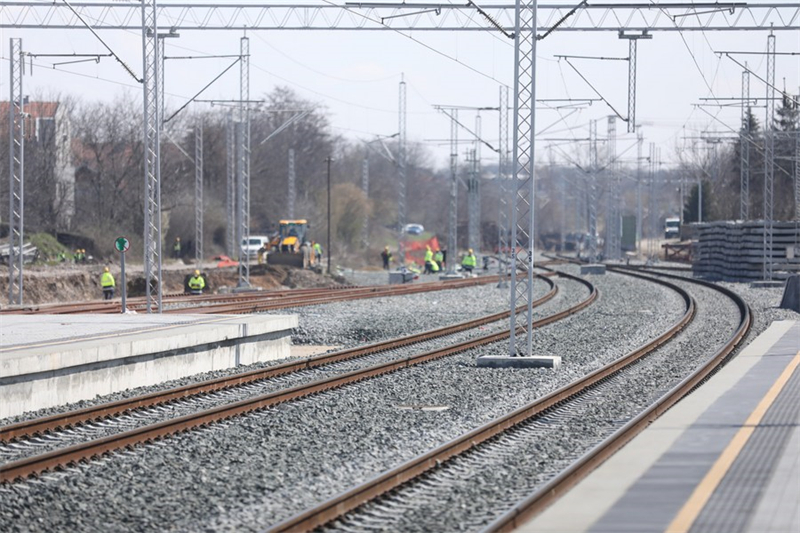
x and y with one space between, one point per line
290 247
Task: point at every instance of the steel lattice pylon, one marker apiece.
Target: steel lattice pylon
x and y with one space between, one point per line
502 195
473 192
797 175
592 193
292 190
613 229
151 57
402 176
243 162
230 189
16 173
198 194
365 190
452 233
523 187
632 49
639 212
744 148
769 157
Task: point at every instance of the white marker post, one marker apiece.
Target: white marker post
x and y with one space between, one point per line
122 244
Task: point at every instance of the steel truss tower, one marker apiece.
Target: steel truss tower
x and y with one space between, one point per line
633 41
402 176
452 230
474 193
198 194
292 190
151 57
243 163
639 212
797 174
613 229
523 186
16 173
592 196
502 195
365 190
230 189
769 157
744 149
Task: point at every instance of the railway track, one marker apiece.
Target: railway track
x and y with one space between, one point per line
64 456
368 502
259 301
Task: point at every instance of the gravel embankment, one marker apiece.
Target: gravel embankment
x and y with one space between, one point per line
251 472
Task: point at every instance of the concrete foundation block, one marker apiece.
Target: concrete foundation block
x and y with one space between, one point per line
764 284
505 361
398 278
791 294
595 269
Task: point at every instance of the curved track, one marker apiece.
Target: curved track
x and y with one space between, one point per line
65 456
414 471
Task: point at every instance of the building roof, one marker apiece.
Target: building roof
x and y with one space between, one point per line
34 109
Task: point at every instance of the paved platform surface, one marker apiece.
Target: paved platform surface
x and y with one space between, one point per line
49 360
725 459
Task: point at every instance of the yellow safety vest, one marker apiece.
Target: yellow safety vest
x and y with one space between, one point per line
107 280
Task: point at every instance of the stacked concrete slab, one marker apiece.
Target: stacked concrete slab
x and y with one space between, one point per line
734 251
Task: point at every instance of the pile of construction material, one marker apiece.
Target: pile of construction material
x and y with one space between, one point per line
29 253
734 250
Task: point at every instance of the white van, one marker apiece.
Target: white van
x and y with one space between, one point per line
254 245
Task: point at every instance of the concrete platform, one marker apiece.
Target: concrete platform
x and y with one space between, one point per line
725 459
48 360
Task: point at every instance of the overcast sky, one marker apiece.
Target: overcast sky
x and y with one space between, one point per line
355 76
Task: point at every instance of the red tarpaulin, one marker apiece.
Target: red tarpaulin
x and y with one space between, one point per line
415 250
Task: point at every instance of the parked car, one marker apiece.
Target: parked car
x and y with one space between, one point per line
414 229
254 245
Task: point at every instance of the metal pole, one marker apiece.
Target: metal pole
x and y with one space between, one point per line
452 234
123 283
232 245
365 190
16 151
522 212
769 157
244 161
152 152
198 194
401 167
592 200
473 193
328 243
292 190
744 148
639 212
502 195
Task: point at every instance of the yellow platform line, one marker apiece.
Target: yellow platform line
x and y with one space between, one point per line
691 509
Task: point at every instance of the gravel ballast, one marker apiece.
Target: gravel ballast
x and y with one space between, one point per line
251 472
256 470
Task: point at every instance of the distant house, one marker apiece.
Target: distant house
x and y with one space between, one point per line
47 128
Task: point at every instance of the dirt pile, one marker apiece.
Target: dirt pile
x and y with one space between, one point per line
77 283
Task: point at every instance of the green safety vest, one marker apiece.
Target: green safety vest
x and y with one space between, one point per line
439 257
317 248
469 260
177 246
434 266
197 282
428 256
107 280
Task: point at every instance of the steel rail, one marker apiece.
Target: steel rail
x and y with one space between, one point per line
555 488
233 304
394 478
34 465
39 426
